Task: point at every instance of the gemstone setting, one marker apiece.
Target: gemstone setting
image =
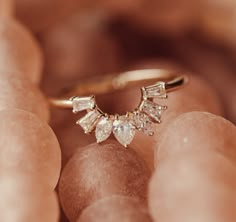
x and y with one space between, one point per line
123 130
123 127
152 109
103 129
82 103
143 122
88 122
154 91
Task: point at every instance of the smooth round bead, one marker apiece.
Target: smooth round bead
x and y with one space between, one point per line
194 186
16 91
99 171
19 51
198 131
29 145
25 199
115 209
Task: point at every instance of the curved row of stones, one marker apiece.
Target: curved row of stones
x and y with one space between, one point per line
123 127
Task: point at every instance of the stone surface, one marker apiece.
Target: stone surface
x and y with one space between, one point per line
25 198
29 145
83 103
193 186
98 171
197 131
19 51
123 130
88 121
103 129
116 209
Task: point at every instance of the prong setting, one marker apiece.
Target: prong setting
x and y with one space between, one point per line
123 127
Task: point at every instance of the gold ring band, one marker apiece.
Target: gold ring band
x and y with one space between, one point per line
123 127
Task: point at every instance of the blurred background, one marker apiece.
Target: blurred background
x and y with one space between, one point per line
84 38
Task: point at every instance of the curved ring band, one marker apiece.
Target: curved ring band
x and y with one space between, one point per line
123 127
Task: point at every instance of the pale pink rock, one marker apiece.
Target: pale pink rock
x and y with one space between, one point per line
29 145
19 51
16 91
25 198
194 185
115 209
99 171
198 131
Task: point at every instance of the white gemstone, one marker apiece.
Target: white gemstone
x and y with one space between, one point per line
103 129
89 120
157 90
143 122
83 103
124 131
152 109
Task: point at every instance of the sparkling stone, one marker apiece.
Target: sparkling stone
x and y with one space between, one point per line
152 109
123 130
103 129
89 120
144 123
157 90
83 103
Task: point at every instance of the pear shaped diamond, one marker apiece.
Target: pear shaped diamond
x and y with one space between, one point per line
103 129
123 131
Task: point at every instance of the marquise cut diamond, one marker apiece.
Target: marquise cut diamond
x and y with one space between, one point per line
152 109
123 130
89 120
83 103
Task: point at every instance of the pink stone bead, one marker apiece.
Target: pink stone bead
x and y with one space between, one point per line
25 199
198 131
29 145
115 209
16 91
6 8
19 51
194 186
99 171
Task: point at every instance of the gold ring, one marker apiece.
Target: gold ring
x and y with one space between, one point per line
147 113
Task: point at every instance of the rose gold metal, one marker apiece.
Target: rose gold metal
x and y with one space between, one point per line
115 82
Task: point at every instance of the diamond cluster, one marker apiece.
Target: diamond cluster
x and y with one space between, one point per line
122 127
